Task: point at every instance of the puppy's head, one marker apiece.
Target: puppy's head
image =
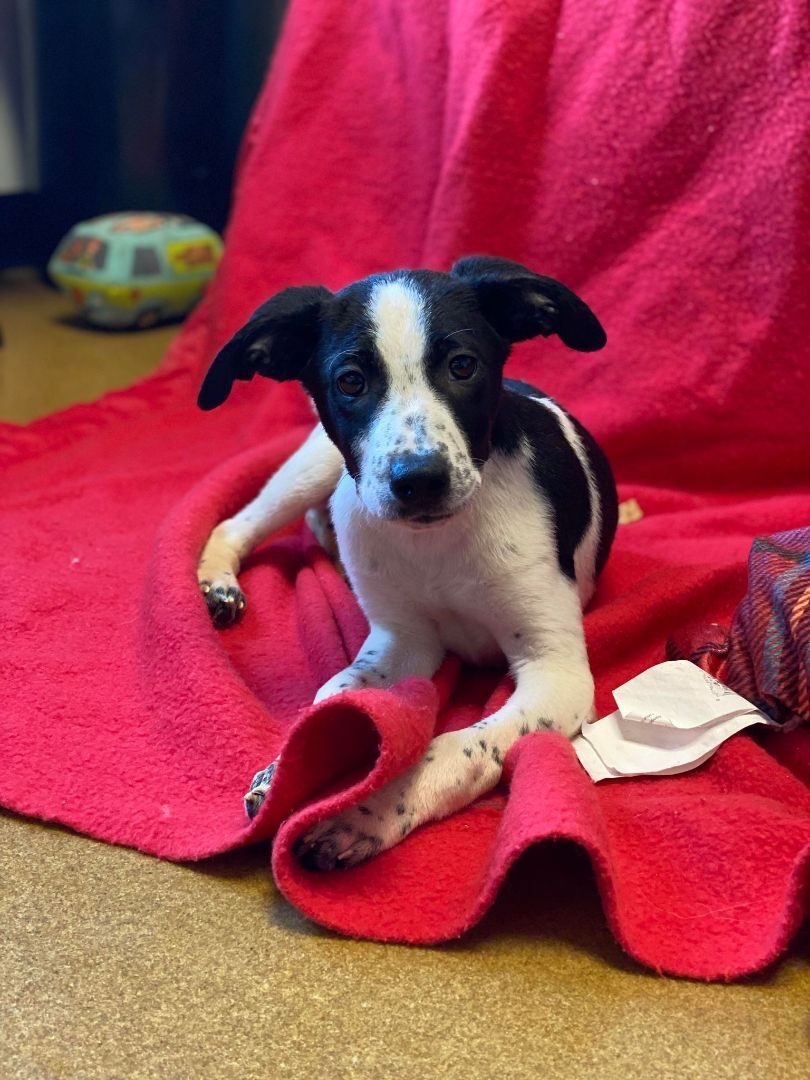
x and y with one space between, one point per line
405 371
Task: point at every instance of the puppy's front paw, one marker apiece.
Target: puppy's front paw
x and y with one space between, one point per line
340 842
336 685
457 768
362 831
259 786
358 676
225 602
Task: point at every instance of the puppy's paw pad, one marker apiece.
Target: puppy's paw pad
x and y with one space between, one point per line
259 787
225 603
334 845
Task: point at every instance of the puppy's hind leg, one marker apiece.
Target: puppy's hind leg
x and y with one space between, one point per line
319 520
390 653
554 693
387 655
306 479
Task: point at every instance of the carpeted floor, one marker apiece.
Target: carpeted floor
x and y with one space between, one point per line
49 360
116 965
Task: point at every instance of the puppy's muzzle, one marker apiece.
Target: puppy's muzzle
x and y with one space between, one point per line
420 485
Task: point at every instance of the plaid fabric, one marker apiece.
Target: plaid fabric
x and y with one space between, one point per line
766 654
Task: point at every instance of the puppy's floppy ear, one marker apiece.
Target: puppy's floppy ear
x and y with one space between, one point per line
520 304
277 341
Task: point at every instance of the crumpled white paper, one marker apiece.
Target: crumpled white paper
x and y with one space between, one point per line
670 719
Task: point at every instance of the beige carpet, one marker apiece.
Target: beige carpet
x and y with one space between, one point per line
114 965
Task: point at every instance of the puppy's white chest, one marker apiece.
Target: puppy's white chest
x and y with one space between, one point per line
441 586
463 576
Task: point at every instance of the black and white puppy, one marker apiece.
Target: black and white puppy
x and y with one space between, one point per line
472 513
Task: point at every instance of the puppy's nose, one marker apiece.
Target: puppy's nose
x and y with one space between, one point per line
419 480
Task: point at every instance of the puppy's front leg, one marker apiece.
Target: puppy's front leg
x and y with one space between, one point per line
554 692
306 479
390 653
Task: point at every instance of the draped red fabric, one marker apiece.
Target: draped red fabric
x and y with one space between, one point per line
653 157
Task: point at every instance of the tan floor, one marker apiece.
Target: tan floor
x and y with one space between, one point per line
49 360
116 965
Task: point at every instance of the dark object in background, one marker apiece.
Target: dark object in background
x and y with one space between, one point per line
140 104
765 656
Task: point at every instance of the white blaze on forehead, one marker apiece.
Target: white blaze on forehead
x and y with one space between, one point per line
398 318
412 416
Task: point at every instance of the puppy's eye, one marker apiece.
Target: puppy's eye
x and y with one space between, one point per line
462 367
352 383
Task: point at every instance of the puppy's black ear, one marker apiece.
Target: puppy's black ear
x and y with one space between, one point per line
520 304
277 341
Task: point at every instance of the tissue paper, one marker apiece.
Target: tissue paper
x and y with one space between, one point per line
670 718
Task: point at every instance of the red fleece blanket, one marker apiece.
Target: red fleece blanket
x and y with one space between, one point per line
653 158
